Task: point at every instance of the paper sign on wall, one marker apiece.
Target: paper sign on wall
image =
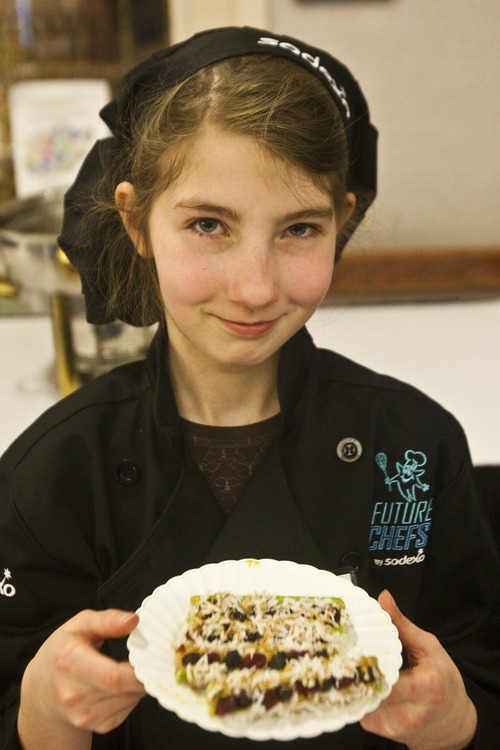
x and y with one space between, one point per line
53 123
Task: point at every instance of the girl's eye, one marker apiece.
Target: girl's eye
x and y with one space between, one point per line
207 226
302 230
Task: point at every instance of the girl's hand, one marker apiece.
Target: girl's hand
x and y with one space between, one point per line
428 708
70 689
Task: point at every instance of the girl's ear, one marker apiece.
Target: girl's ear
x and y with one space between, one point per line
125 198
350 205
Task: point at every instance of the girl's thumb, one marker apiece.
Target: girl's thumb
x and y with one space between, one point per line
414 640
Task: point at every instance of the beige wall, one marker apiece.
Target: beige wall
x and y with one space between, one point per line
190 16
431 73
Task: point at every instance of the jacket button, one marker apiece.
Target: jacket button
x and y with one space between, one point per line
349 449
350 560
127 472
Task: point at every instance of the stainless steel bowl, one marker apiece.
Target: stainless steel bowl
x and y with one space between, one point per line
47 282
28 246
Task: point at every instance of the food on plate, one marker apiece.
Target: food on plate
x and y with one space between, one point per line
261 652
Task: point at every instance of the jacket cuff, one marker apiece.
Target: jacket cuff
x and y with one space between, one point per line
488 717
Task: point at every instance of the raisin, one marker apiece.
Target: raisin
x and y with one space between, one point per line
254 636
270 698
283 693
253 660
296 654
232 660
226 705
327 685
302 689
366 674
213 657
244 700
323 653
278 661
235 614
190 658
259 661
345 682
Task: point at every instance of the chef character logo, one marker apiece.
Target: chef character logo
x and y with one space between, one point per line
408 477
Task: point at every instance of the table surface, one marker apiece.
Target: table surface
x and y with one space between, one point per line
451 352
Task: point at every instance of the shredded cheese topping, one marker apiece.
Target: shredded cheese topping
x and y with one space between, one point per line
266 652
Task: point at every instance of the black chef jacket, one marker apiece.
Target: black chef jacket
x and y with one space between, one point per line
99 504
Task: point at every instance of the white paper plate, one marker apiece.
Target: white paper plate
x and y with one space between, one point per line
163 614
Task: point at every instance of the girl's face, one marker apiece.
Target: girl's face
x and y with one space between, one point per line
244 247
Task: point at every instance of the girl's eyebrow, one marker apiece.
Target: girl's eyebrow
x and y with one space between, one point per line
209 208
313 212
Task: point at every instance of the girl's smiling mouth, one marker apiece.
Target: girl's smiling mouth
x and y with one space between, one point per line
252 329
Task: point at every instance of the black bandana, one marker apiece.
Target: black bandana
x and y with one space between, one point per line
171 66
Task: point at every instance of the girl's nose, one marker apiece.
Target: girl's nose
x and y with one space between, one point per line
254 276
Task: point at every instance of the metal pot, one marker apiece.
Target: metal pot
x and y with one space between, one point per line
32 260
41 276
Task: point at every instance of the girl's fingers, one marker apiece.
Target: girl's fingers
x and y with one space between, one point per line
77 657
99 625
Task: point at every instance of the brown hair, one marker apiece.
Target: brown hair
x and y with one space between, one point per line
272 100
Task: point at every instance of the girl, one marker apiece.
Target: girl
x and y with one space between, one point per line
240 163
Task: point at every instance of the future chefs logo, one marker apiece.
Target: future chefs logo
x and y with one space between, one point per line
402 524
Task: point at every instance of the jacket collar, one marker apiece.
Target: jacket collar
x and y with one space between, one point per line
293 367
